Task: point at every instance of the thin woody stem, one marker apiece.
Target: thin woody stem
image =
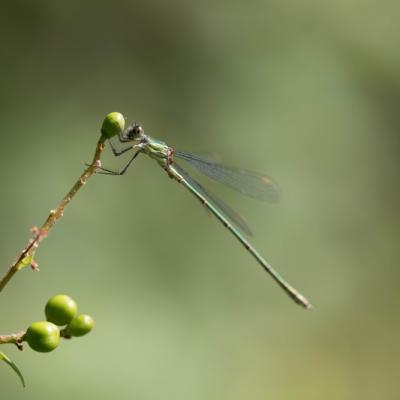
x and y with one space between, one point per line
26 256
14 338
19 337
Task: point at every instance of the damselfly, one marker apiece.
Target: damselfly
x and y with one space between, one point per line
246 182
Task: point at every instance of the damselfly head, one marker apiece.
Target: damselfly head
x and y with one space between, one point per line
134 132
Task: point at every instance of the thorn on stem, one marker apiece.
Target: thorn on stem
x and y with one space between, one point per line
41 235
35 266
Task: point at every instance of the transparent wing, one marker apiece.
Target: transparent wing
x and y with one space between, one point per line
246 182
234 217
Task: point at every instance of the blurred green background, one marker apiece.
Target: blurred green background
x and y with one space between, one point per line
307 91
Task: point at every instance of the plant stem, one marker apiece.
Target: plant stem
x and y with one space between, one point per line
19 337
14 338
26 256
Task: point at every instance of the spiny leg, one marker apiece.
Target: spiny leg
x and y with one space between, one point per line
105 171
119 152
116 154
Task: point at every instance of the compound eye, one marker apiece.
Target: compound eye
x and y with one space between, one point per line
134 132
139 130
130 132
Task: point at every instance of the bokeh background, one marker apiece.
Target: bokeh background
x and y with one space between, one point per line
307 91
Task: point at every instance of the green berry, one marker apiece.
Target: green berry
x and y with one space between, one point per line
113 124
80 325
43 336
61 309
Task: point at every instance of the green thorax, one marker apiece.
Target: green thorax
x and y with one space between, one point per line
157 150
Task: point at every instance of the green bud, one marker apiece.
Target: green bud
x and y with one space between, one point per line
61 309
43 336
81 325
113 124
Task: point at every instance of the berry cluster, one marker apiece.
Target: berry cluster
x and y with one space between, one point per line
61 311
